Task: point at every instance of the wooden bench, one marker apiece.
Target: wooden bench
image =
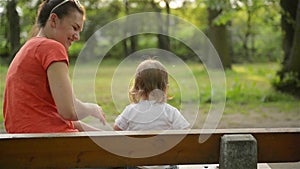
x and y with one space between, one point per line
81 150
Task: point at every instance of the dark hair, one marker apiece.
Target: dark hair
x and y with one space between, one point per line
45 8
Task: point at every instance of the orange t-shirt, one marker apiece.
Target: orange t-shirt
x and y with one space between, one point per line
28 104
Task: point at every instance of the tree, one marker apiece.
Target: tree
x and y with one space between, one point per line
289 75
287 19
163 40
293 63
248 41
18 18
4 49
218 33
13 26
129 44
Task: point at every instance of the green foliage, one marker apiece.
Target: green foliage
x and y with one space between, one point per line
74 51
288 82
225 9
4 48
3 70
147 41
266 34
224 18
264 37
100 13
252 83
27 16
217 4
193 13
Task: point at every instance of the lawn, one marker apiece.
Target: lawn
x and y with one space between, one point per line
250 98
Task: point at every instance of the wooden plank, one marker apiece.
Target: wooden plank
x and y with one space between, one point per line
96 149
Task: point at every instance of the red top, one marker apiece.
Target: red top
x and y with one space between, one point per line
28 104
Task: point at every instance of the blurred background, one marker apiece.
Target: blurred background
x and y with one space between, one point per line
241 30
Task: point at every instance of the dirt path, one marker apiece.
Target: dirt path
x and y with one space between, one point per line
257 120
264 117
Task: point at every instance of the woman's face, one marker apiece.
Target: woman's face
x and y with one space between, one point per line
67 29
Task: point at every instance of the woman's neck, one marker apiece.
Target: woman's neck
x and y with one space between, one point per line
42 33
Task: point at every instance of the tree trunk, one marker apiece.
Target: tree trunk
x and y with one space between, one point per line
133 43
289 13
13 27
289 75
166 39
220 38
163 39
125 45
248 54
293 63
129 44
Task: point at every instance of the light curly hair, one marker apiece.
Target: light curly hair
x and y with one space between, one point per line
150 83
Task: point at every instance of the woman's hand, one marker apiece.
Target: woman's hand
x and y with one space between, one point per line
101 115
85 109
98 113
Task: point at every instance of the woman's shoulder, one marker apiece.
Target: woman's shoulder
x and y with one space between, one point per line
45 42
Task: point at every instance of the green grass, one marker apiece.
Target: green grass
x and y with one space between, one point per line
3 70
248 88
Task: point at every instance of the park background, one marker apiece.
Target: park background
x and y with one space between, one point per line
257 41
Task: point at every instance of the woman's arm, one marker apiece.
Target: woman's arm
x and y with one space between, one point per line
81 126
61 90
67 105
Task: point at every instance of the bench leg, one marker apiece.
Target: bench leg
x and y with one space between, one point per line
238 152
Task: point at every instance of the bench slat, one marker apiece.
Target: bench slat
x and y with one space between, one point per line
67 150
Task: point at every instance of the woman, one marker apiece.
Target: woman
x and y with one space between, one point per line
38 95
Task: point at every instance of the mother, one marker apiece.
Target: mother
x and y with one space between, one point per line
38 95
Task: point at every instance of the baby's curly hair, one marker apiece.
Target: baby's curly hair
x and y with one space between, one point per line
150 83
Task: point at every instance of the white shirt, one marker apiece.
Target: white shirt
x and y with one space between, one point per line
150 115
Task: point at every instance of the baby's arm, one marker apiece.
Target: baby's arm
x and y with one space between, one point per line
120 123
179 122
117 128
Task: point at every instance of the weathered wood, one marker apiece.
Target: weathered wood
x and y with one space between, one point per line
66 150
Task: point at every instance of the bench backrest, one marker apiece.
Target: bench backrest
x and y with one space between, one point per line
66 150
